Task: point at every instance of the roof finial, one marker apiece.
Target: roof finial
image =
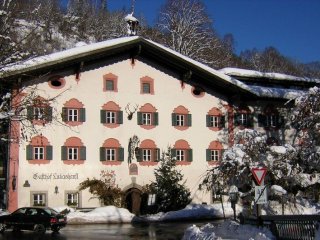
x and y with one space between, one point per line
132 21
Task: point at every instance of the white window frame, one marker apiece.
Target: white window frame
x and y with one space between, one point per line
146 118
180 155
243 119
73 198
39 199
146 155
180 120
215 155
38 153
38 113
73 153
214 121
73 115
110 154
110 117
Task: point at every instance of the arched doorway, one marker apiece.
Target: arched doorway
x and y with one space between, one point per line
133 200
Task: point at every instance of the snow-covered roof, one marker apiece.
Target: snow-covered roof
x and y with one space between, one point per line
224 76
82 51
51 59
238 72
273 92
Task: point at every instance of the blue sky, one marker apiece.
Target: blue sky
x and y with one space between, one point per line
291 26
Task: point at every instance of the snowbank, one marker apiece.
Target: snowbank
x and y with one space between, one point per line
108 214
227 230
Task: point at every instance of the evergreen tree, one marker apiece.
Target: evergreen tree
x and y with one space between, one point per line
170 193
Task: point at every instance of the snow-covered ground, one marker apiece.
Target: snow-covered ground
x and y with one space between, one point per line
226 230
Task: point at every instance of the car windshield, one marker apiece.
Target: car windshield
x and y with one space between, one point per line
51 211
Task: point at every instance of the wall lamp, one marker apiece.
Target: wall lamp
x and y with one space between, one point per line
56 190
26 184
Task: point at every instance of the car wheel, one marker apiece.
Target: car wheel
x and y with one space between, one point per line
2 227
39 228
55 229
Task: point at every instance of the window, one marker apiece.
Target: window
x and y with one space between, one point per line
215 121
215 156
42 113
244 119
38 199
146 85
72 153
146 88
181 120
146 154
214 152
148 118
73 150
110 85
38 153
72 199
39 113
180 155
110 117
111 154
270 120
73 114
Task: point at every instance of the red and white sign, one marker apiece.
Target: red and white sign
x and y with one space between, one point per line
259 174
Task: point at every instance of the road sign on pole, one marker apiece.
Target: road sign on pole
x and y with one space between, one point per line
259 174
260 194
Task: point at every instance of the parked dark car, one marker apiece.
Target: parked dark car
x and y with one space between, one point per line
38 219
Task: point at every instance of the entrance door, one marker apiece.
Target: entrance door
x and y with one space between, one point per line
133 200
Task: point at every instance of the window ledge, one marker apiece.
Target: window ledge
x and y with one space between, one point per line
39 161
148 163
73 162
215 128
213 163
111 125
183 163
111 163
73 124
181 128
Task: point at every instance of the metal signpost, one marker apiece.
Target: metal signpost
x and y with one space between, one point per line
260 196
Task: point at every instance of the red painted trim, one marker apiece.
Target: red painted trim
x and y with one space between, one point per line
42 161
230 125
148 163
14 159
73 162
183 163
111 163
148 80
110 77
56 78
